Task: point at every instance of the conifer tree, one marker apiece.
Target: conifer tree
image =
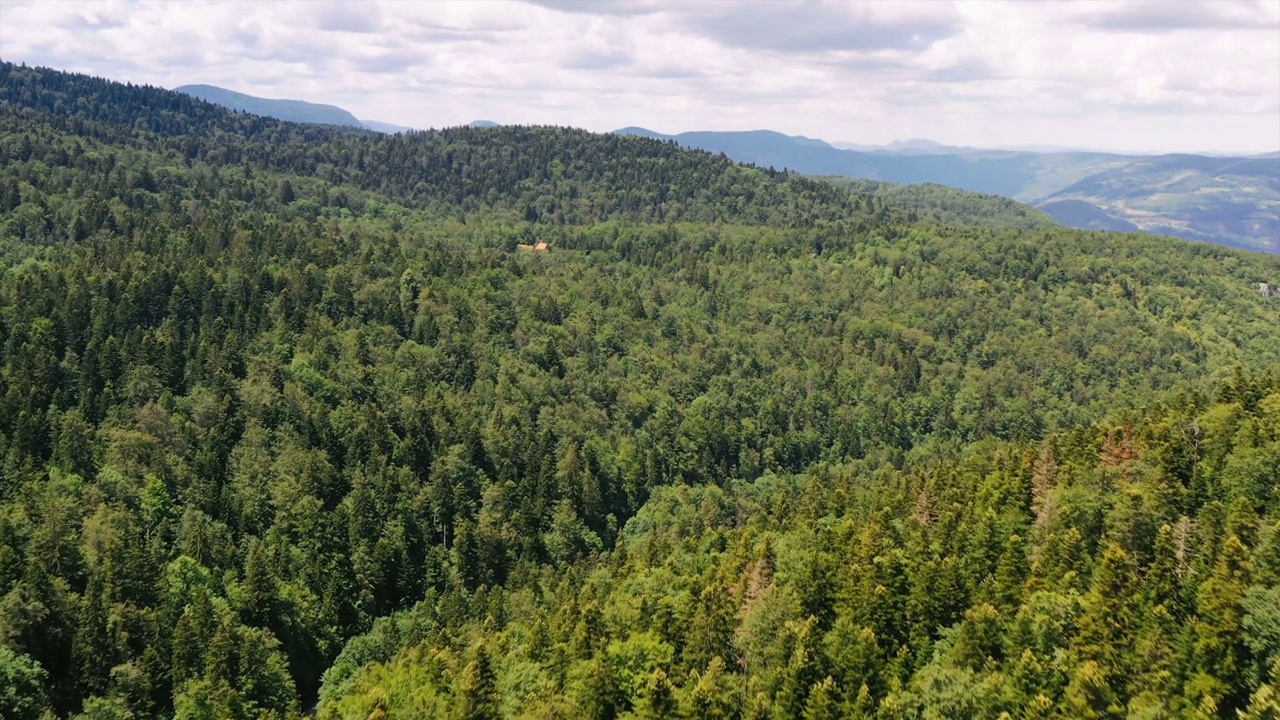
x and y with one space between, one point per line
1220 652
1089 695
658 700
476 697
711 632
823 701
94 646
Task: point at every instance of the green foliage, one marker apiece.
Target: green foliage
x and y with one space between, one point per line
22 682
1056 646
286 415
104 709
931 203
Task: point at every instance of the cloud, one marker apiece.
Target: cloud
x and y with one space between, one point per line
817 27
805 27
1194 74
389 63
91 19
622 8
964 71
599 60
674 74
348 17
1150 16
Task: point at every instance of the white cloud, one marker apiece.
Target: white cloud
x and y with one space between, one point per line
1192 75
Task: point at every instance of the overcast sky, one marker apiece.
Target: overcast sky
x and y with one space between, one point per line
1176 75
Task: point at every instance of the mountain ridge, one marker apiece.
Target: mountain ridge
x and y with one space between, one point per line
1223 209
385 127
1236 200
281 109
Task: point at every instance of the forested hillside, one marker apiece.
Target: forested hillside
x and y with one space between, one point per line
287 417
1119 570
551 175
1233 201
939 204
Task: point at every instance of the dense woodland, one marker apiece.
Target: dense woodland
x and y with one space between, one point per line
288 422
935 203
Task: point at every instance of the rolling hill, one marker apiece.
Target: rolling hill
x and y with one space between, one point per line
291 110
290 427
382 127
1080 214
1234 201
1229 201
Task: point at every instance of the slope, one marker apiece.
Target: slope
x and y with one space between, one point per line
556 175
1227 200
939 204
263 383
1009 581
292 110
1230 201
388 128
1020 175
1080 214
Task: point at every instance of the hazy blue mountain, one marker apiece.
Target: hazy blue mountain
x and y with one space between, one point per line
387 128
765 148
915 144
1080 214
1224 200
996 172
642 132
840 145
1231 201
293 110
483 123
813 142
924 146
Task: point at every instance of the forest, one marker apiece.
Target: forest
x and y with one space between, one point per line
289 425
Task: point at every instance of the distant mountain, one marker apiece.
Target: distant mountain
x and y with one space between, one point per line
1231 201
924 146
765 148
928 147
812 142
1080 214
292 110
1228 201
856 146
642 132
386 128
483 124
914 144
1020 175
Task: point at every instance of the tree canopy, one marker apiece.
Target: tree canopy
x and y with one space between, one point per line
287 417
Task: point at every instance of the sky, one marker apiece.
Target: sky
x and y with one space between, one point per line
1126 75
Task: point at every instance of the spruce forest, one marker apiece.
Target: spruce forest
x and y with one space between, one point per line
293 421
